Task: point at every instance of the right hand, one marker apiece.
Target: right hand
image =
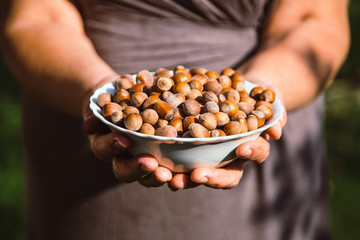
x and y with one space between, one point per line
111 146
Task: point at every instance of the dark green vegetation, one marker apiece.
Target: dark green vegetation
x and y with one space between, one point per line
342 134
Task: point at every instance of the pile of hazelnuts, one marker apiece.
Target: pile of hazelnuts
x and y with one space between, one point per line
187 103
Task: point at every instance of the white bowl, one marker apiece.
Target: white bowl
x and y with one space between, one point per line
184 154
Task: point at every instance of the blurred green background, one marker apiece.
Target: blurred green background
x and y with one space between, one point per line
342 131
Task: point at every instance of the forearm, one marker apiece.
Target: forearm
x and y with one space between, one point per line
54 61
300 59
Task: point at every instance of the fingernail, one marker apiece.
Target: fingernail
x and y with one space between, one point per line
121 142
204 180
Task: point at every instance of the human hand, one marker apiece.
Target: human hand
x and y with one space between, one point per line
111 146
229 176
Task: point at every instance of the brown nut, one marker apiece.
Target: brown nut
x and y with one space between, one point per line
130 109
239 114
208 96
139 87
244 93
246 107
191 107
188 121
259 103
178 113
221 119
232 128
133 122
150 116
250 100
164 110
162 72
212 74
225 81
109 108
213 86
186 135
166 131
165 95
260 117
267 95
196 84
177 124
147 128
208 120
198 131
221 98
161 122
195 95
252 122
124 104
182 87
256 91
217 133
266 110
164 84
195 71
103 98
211 107
232 95
238 85
202 78
145 77
124 82
237 77
175 100
121 95
138 98
227 72
181 68
229 107
181 76
244 127
150 101
117 117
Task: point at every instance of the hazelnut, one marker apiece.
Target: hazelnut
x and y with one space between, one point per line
266 110
237 77
161 122
188 121
121 95
211 107
246 107
177 124
229 107
225 81
103 98
175 100
147 128
164 84
181 76
182 87
232 95
202 78
239 114
133 122
165 95
208 120
209 96
196 84
252 122
150 116
150 101
124 82
164 110
267 95
195 71
238 85
145 77
139 87
130 109
117 117
221 119
109 108
243 123
227 72
198 131
191 107
166 131
217 133
138 98
232 128
255 92
250 100
260 117
162 72
212 74
213 86
195 95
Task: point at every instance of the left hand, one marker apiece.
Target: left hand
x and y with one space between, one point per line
229 176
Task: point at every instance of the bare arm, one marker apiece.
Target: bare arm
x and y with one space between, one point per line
302 48
49 53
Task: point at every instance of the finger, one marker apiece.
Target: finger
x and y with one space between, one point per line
157 178
275 131
256 151
182 181
106 146
93 125
225 178
130 169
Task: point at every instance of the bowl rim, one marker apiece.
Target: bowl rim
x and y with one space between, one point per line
110 87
